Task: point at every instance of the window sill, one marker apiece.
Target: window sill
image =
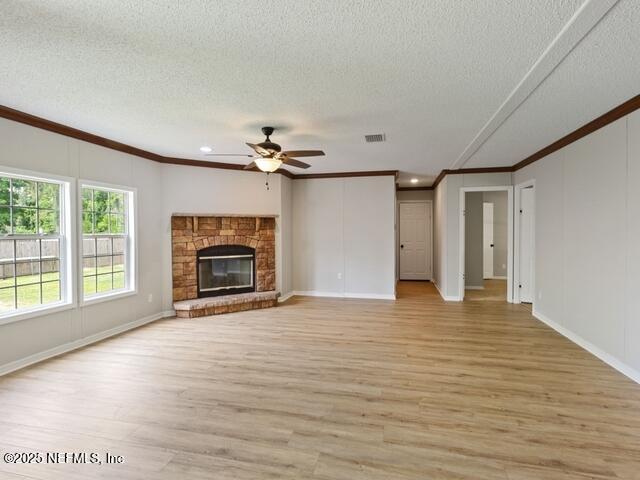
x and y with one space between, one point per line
61 307
35 312
107 297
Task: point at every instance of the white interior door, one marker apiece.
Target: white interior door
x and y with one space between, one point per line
526 245
415 241
487 239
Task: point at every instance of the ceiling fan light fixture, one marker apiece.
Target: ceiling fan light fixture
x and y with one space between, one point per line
268 165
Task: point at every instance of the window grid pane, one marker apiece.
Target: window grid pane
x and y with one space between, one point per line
50 292
28 296
29 207
29 268
22 275
105 212
7 299
104 266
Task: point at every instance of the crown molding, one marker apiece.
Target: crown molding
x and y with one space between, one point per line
369 173
55 127
611 116
44 124
462 171
603 120
412 189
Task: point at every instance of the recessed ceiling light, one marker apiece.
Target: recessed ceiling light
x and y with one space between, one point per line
414 180
205 149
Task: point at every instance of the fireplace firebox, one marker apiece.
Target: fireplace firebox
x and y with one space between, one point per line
226 270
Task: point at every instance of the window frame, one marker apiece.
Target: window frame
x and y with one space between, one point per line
131 243
68 298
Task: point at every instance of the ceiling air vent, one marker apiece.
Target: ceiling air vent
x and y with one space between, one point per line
378 137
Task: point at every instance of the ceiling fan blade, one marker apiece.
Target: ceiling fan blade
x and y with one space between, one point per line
304 153
293 162
259 150
228 155
250 166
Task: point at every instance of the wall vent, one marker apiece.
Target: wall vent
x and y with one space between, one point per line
378 137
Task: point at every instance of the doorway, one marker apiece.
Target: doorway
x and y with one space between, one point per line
486 240
524 264
415 240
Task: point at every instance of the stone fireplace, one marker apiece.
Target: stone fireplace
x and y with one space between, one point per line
222 264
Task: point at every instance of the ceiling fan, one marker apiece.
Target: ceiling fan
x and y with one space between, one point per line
270 155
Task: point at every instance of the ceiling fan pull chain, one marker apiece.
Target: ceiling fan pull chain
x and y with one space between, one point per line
267 182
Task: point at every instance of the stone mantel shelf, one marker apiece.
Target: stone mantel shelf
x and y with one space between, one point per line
239 215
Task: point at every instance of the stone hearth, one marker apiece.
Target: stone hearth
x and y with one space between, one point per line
190 233
201 307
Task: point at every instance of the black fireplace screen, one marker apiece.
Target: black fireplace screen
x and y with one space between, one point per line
226 269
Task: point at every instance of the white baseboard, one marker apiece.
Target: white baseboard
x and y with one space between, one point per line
473 287
446 298
315 293
81 342
612 361
496 277
285 297
372 296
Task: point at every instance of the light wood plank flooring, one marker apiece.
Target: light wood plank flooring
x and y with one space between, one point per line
494 291
330 389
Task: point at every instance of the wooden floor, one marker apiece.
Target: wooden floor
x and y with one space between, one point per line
330 389
493 291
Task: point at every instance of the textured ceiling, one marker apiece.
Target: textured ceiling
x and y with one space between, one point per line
171 76
599 74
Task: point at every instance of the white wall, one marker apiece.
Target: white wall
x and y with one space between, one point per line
318 244
28 148
284 264
369 236
447 226
587 241
440 236
452 211
344 237
414 195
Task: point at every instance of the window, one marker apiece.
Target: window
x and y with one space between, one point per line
32 243
107 253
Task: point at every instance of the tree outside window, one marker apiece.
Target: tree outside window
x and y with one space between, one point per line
105 240
29 243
